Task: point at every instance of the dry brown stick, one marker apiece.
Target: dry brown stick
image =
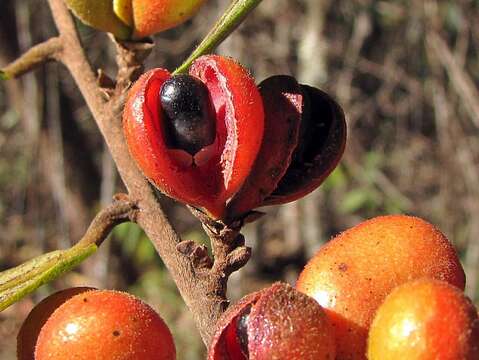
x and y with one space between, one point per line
204 295
462 82
37 55
122 210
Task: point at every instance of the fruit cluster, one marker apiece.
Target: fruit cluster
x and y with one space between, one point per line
214 140
389 288
134 19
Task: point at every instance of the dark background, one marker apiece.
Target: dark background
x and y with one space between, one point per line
406 73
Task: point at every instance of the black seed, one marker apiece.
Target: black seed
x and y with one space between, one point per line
190 120
116 333
242 331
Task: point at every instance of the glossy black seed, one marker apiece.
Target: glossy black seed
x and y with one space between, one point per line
242 331
190 120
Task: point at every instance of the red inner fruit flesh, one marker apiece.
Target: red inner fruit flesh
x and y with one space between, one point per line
240 116
217 170
236 337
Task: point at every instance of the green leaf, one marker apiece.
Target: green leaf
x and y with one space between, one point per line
337 178
3 75
353 201
20 281
231 19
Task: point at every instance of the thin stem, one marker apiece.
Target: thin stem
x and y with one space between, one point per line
37 55
120 211
231 19
200 280
204 294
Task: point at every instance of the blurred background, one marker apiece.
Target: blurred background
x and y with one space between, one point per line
405 72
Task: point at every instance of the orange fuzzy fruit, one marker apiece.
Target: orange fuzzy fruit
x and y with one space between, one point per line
425 320
28 334
354 272
133 19
105 325
152 16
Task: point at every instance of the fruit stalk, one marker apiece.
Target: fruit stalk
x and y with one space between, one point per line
231 19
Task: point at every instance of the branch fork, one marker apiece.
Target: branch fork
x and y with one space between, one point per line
200 279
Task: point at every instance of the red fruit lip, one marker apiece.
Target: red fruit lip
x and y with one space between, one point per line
215 173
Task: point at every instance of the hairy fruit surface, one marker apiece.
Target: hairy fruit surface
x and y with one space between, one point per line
105 325
134 19
352 274
275 323
425 320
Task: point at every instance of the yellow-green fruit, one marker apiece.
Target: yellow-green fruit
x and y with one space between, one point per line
124 10
135 19
152 16
100 15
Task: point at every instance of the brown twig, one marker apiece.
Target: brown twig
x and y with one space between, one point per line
120 211
463 84
200 280
204 292
37 55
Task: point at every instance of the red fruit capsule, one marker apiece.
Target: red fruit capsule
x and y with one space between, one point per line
204 177
283 102
275 323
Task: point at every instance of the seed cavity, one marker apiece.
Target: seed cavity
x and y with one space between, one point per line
242 331
189 114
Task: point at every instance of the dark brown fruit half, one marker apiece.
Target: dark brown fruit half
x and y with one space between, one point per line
322 143
304 139
283 103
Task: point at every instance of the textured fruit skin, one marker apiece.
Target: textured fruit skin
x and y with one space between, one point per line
239 131
283 324
105 325
28 334
134 18
100 15
152 16
425 320
352 274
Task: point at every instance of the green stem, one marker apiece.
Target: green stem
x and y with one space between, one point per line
231 19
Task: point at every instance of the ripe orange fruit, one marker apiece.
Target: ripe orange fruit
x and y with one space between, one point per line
28 334
352 274
105 325
425 320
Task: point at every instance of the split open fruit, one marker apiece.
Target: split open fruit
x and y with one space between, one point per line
213 140
275 323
